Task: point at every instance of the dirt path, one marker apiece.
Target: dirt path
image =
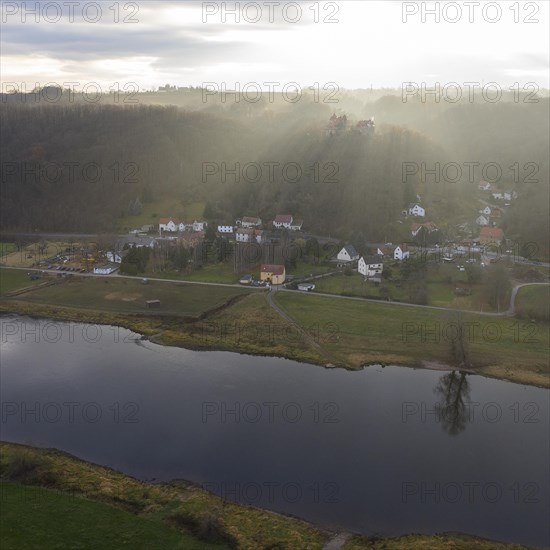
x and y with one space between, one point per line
290 320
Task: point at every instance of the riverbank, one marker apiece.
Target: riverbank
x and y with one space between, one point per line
314 329
178 514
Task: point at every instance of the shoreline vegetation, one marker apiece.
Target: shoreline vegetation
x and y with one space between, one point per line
314 329
39 484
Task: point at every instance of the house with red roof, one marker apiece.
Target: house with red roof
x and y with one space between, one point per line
274 274
282 220
491 235
169 224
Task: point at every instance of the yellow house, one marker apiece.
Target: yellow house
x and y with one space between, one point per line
274 274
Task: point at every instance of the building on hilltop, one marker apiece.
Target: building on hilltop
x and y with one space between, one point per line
366 127
336 125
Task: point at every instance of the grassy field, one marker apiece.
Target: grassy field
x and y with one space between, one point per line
165 208
30 519
213 273
248 326
12 279
354 285
533 302
441 284
120 295
41 488
357 332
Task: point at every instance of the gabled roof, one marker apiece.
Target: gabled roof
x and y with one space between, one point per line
283 218
251 219
164 221
246 231
372 259
271 268
350 249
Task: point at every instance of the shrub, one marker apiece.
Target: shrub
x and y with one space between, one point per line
25 466
208 528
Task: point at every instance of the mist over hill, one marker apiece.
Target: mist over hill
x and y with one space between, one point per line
72 165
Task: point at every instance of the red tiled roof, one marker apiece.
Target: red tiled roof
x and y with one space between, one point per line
248 219
494 232
274 269
168 220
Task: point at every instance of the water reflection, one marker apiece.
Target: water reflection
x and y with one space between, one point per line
453 390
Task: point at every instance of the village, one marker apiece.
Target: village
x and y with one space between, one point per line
280 253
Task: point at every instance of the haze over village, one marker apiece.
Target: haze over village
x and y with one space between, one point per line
275 275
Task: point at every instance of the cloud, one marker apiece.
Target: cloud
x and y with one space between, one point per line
369 44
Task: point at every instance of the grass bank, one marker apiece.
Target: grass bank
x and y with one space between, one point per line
359 332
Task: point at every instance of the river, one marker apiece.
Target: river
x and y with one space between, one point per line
381 451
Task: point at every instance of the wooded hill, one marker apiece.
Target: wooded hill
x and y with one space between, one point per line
76 166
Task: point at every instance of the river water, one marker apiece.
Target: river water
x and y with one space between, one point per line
382 451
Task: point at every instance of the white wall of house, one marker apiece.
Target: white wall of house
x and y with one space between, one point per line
369 270
344 256
225 229
242 237
399 254
417 210
170 226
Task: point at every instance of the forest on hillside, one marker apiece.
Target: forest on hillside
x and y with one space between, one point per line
78 167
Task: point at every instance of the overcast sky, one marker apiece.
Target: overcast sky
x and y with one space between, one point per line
355 44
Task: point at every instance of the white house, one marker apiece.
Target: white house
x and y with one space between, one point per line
371 266
116 257
401 252
199 225
105 269
416 210
296 225
282 220
244 235
226 229
185 226
347 254
169 224
486 211
482 220
504 195
248 222
137 241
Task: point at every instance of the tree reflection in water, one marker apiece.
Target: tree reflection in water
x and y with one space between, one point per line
454 391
